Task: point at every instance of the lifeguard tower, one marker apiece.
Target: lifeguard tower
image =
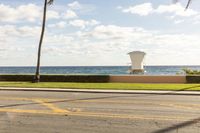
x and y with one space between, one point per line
137 62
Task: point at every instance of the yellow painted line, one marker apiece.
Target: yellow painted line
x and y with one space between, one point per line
107 101
51 106
16 98
26 111
25 99
100 115
41 101
56 109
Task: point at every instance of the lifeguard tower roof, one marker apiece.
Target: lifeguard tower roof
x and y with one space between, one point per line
139 52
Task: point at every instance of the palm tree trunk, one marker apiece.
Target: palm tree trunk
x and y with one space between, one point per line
188 3
37 73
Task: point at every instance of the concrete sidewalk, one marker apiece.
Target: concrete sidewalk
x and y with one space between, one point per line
103 91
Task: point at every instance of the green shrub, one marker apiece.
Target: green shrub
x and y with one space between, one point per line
192 79
191 72
58 78
192 76
16 77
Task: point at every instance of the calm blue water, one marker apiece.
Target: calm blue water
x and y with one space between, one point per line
115 70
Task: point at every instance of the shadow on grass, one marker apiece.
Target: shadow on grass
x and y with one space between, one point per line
176 127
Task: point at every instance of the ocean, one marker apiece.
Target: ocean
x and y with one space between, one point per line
112 70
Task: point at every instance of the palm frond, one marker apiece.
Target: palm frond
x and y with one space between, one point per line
50 2
174 1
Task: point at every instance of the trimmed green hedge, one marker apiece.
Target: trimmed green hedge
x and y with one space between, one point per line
193 79
58 78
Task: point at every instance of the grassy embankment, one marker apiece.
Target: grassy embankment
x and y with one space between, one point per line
106 86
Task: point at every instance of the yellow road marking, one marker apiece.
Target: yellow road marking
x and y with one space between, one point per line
16 98
174 104
59 111
101 115
51 106
41 101
23 99
26 111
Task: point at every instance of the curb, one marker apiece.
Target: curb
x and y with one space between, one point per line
104 91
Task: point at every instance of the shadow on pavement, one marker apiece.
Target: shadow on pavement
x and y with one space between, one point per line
105 97
178 126
67 100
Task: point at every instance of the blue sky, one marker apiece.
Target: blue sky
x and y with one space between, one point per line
98 32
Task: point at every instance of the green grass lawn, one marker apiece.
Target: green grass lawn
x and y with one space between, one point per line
106 86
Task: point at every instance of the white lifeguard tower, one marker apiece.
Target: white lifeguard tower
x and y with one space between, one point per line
137 62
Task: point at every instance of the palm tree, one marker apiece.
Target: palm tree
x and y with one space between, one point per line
37 73
188 3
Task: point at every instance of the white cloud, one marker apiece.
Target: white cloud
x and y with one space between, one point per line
52 14
61 24
103 44
23 31
178 21
31 31
53 50
196 19
142 9
119 7
114 32
100 44
24 12
59 39
176 9
70 14
82 23
130 38
113 42
74 5
82 8
29 12
147 8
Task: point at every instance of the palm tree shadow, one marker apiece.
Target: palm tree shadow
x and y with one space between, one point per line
105 97
58 101
178 126
183 89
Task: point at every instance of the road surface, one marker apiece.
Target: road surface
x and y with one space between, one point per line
67 112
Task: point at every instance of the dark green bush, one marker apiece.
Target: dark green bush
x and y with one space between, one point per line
58 78
16 77
193 79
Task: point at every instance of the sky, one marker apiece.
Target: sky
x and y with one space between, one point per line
100 32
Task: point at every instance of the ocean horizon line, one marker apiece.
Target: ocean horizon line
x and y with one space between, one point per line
112 66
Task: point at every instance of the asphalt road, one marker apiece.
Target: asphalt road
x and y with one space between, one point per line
65 112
